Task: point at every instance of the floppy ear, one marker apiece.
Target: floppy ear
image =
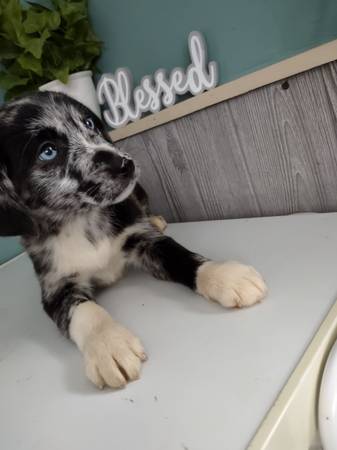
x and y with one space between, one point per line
14 217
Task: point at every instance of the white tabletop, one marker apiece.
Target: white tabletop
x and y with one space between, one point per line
212 374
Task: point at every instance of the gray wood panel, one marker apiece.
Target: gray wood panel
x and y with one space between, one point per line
269 152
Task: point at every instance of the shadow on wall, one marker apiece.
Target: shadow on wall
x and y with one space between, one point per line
9 247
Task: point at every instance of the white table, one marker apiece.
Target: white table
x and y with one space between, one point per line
212 374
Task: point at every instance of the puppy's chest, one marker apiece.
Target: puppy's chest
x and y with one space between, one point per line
75 251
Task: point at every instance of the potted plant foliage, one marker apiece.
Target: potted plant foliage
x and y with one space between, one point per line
48 48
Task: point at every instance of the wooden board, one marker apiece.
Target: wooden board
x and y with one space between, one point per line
271 151
286 68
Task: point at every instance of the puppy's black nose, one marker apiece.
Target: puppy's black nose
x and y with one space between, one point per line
116 164
128 166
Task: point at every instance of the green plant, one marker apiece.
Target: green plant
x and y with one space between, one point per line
40 44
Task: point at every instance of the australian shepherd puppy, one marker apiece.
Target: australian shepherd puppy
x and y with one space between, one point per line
74 199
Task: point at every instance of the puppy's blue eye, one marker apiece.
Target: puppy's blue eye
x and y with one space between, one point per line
89 123
48 152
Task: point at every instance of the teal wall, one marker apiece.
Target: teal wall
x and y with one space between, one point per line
9 247
242 35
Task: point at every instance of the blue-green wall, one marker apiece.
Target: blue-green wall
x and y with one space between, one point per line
9 247
242 35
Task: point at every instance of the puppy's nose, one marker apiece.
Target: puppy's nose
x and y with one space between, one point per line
118 165
128 166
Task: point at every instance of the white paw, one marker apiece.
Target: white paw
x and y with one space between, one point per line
112 356
231 284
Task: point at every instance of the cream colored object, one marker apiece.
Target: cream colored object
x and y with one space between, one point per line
284 69
80 86
292 421
327 408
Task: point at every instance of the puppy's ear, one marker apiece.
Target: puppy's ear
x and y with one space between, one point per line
14 217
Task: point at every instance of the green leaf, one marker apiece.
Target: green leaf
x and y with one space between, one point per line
15 69
53 53
11 19
78 31
37 7
92 49
8 81
29 62
76 63
72 11
38 21
20 90
8 50
60 73
34 45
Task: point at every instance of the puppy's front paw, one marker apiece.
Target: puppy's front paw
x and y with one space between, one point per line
231 284
112 356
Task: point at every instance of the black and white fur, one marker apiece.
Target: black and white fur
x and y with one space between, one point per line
83 219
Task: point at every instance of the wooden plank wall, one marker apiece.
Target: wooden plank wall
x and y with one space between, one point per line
269 152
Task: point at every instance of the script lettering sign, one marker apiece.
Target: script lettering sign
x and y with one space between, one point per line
125 104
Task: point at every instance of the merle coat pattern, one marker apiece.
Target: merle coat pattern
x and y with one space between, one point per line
83 218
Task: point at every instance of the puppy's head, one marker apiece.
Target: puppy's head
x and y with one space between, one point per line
55 158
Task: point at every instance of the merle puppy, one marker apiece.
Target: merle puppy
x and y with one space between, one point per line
74 199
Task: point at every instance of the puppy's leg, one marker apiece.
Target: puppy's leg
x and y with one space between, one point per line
112 355
230 283
159 222
141 198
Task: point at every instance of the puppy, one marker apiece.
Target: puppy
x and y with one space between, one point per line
74 199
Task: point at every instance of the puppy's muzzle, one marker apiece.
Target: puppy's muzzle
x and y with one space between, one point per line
114 163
